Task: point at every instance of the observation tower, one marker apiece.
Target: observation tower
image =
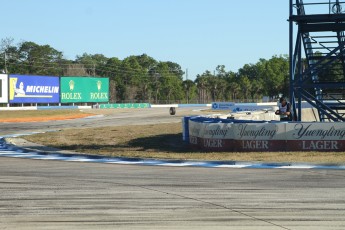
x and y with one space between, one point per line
317 57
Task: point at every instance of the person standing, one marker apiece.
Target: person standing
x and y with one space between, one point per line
284 110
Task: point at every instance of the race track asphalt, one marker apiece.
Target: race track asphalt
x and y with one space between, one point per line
38 194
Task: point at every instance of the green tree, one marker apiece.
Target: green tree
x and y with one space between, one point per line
93 63
201 82
9 60
148 65
40 60
170 79
190 88
142 78
207 86
245 85
249 70
112 69
275 74
256 89
131 73
229 81
221 72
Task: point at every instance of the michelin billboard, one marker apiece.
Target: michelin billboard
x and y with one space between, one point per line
3 88
34 89
84 89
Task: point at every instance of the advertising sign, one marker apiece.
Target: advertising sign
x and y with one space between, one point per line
3 88
84 89
219 135
243 107
327 136
259 136
249 107
34 89
222 105
259 131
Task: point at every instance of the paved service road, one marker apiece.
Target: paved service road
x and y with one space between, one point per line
38 194
111 118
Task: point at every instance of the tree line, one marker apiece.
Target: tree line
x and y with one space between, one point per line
141 78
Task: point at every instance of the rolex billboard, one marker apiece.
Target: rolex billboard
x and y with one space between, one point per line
84 89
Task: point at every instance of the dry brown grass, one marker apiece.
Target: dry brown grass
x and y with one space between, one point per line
163 141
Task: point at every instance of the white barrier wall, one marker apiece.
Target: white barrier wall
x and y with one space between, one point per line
277 136
244 107
316 136
3 88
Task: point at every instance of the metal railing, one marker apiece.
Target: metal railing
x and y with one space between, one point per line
321 7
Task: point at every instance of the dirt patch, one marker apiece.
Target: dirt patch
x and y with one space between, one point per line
42 119
41 116
161 141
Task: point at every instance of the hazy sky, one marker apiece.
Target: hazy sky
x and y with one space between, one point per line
197 34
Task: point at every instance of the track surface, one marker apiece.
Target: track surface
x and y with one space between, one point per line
117 118
70 195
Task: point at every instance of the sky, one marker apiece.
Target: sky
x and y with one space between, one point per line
198 35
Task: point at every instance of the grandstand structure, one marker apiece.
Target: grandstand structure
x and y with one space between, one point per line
317 57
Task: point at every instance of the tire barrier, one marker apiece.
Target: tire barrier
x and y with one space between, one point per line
172 110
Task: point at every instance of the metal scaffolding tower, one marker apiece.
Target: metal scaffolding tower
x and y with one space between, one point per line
317 57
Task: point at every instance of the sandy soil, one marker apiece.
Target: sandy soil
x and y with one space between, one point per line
44 118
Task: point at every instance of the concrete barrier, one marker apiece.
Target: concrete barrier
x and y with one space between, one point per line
193 105
124 106
42 108
63 107
18 108
164 106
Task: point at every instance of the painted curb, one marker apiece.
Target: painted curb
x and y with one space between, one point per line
9 150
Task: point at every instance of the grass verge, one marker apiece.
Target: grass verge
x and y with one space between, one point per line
163 141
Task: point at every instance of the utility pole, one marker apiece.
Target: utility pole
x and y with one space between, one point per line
187 74
94 69
5 62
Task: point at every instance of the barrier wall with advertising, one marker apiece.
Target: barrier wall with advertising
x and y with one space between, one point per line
34 89
124 106
225 135
244 107
222 105
3 88
325 136
84 89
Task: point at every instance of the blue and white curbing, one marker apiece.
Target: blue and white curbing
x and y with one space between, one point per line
7 150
